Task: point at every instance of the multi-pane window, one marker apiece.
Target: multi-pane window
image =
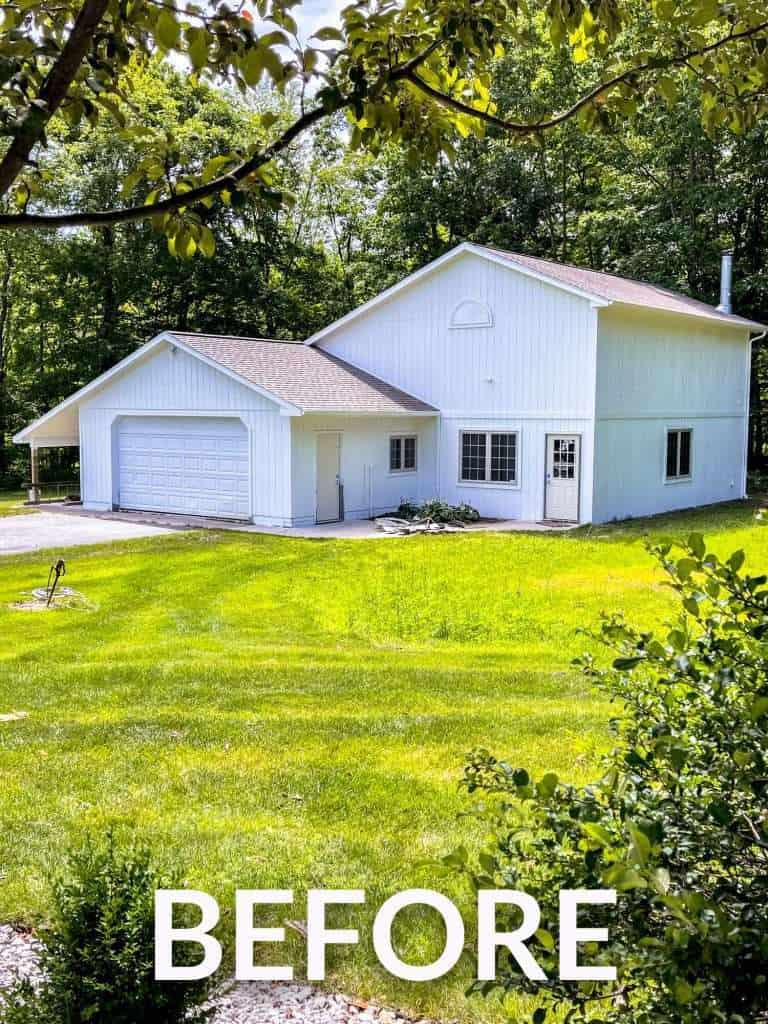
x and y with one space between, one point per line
564 458
678 454
402 453
488 457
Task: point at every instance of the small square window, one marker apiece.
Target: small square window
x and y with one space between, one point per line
403 453
678 461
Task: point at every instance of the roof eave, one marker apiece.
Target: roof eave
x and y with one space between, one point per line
723 321
24 436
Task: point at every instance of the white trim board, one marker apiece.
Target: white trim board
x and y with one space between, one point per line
164 338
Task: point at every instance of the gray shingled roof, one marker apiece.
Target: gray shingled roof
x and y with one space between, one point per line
622 289
305 377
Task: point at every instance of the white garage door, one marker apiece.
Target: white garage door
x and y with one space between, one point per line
184 464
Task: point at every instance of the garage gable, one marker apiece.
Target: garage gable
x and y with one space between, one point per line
147 378
172 379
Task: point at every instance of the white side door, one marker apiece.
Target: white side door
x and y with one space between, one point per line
328 477
561 492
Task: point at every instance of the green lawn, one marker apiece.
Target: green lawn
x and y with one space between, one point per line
12 503
272 712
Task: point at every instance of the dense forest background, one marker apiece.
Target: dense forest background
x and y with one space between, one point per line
657 200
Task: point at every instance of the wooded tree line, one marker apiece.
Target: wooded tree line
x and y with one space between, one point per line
657 200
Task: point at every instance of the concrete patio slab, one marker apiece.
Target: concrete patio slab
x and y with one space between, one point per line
351 529
47 529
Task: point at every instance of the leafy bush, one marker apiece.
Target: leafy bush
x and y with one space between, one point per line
678 823
98 954
437 511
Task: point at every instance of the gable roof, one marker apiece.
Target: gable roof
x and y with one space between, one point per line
294 377
596 287
624 290
307 378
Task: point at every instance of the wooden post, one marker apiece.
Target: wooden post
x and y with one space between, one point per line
34 490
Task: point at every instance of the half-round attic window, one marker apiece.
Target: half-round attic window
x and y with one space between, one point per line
471 313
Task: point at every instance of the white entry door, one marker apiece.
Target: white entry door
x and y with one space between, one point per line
186 464
327 475
561 498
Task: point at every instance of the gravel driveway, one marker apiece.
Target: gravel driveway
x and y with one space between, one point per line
58 530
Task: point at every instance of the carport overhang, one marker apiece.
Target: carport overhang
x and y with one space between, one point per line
59 429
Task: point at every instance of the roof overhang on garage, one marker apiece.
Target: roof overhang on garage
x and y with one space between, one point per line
61 425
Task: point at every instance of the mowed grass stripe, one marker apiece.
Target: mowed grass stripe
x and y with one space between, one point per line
283 712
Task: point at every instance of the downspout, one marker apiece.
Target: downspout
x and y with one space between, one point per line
750 344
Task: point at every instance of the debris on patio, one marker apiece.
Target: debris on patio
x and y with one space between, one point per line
238 1003
409 527
433 516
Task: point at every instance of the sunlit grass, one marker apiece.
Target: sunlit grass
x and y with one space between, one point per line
272 712
12 503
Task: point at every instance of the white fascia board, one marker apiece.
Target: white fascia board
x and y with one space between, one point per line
510 264
373 414
165 337
286 407
429 268
23 436
741 324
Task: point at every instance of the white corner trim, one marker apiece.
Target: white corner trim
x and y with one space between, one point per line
481 314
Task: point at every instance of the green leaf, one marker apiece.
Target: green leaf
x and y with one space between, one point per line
167 30
668 88
697 545
328 33
759 708
682 992
627 664
206 242
198 47
737 560
546 940
252 65
623 878
548 785
597 833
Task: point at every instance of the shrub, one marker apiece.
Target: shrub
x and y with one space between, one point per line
98 953
677 824
437 511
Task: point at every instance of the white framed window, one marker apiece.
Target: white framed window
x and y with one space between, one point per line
403 453
678 454
488 457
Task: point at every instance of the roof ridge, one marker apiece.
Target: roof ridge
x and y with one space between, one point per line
236 337
601 273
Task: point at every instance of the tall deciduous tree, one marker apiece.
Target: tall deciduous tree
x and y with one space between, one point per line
417 74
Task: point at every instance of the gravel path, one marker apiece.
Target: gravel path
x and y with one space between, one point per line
243 1003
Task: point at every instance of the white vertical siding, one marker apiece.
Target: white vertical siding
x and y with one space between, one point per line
656 372
537 357
526 499
532 370
168 383
369 487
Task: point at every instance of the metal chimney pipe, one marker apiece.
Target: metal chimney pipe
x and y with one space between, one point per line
726 279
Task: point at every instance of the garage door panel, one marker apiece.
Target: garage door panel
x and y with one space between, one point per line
196 466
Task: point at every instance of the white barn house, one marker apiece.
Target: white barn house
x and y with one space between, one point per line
529 389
